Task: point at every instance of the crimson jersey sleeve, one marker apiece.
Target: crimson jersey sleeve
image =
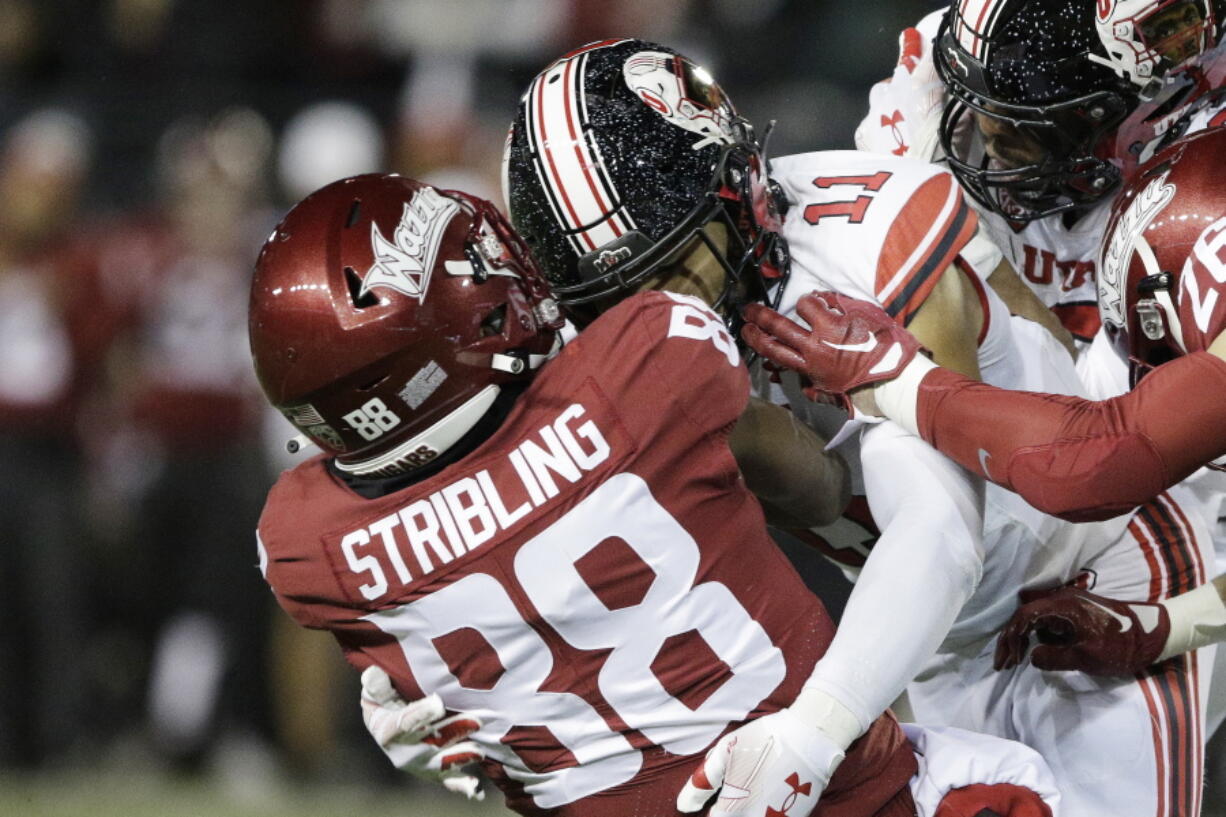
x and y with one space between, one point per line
1079 459
1202 289
668 355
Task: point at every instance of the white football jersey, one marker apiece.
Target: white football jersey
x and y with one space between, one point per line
884 229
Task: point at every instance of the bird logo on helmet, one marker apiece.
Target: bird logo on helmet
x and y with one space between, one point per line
622 155
389 367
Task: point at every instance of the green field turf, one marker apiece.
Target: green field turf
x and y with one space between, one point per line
116 795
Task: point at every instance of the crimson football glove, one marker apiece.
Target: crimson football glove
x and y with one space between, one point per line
851 343
419 736
1078 630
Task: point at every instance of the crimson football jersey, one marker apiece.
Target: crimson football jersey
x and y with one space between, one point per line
595 582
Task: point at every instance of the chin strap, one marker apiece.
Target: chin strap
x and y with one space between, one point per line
518 364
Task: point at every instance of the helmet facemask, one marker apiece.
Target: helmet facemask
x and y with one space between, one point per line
1149 42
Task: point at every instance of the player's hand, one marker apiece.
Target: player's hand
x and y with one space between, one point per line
1078 630
849 343
777 764
419 736
904 111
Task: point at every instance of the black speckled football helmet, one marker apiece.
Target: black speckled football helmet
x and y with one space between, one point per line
622 153
1038 67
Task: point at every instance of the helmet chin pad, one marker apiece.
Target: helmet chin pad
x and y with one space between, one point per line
426 446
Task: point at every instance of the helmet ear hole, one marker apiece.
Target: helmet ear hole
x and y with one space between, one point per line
374 383
354 283
493 322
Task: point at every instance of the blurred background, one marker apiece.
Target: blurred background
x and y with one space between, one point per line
146 149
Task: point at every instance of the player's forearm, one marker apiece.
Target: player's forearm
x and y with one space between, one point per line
1077 459
1022 300
785 464
922 570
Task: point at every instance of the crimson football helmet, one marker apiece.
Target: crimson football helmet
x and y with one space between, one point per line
386 315
621 154
1035 69
1170 217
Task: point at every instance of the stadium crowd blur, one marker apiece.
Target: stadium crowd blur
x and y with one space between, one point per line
147 148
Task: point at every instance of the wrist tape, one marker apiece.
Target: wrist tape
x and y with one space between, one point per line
897 399
1197 619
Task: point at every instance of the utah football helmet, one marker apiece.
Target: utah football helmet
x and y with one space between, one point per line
1168 222
386 315
621 155
1036 69
1149 40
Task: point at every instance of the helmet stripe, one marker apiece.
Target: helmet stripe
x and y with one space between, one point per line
573 82
584 201
547 128
617 214
974 38
538 161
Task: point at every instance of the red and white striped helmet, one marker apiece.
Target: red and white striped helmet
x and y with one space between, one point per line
621 154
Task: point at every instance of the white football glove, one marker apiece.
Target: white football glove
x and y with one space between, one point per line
777 764
419 736
904 111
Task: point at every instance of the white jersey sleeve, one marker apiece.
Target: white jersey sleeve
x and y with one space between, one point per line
924 567
875 227
904 110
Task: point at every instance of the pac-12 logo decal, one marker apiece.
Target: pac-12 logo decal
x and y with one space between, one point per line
682 93
404 263
1113 271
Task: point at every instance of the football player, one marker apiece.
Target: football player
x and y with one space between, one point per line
1162 294
901 233
547 543
1039 107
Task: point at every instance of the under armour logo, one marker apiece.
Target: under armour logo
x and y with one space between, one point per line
798 789
891 122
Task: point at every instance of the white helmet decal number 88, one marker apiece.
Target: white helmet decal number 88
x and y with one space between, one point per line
672 605
372 420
